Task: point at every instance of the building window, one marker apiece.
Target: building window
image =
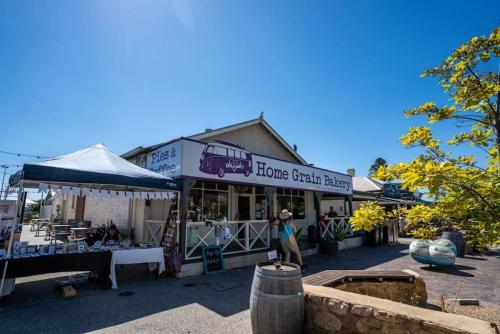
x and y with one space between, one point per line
208 200
73 200
292 200
260 203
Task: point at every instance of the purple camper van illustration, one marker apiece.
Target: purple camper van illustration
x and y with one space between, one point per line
221 158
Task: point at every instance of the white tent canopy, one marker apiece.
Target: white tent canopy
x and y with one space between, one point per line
92 167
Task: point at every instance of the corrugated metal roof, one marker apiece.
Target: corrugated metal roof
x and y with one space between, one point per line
366 184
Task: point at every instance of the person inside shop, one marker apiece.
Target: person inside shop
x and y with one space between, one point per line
112 236
287 230
332 213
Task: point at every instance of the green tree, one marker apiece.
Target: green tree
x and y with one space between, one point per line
376 165
466 190
35 207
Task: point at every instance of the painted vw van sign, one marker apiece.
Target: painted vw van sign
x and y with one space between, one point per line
221 158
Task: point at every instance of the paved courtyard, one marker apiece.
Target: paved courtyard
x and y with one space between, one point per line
143 304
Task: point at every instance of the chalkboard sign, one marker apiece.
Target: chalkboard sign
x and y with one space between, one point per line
213 260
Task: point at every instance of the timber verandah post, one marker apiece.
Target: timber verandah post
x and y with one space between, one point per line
270 210
318 196
186 186
349 201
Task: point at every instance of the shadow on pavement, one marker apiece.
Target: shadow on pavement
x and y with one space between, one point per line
456 270
355 259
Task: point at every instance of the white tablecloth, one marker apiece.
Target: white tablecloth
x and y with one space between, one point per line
136 255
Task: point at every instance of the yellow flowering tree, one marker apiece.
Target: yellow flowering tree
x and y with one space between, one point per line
466 190
367 216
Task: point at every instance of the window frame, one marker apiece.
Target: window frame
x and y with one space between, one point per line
200 186
290 194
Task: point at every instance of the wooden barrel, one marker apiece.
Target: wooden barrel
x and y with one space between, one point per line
277 299
458 239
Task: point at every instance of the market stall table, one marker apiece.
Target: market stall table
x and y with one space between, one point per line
98 262
136 255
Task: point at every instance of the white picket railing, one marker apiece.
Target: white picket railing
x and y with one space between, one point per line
332 223
243 236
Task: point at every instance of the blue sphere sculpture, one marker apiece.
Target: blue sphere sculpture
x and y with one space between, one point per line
440 252
441 255
419 251
446 243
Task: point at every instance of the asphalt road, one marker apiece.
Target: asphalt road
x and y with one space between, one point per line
143 304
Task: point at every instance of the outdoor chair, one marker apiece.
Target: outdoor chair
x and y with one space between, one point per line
73 223
87 223
49 231
33 224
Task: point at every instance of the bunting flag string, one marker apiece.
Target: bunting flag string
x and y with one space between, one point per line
105 194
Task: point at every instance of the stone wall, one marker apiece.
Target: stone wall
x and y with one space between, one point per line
408 292
329 310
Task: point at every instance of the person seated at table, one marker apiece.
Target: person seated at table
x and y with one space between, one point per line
111 237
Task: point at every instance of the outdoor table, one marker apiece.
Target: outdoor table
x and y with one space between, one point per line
98 262
136 255
39 224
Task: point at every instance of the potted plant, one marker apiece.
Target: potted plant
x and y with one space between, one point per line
330 244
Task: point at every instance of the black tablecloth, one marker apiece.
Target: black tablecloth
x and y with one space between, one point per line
98 262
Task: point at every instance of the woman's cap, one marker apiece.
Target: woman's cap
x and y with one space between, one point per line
284 215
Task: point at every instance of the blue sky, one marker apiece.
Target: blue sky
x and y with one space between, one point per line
332 77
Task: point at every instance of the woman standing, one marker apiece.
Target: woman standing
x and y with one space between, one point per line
287 230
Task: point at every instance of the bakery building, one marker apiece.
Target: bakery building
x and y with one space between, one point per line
231 181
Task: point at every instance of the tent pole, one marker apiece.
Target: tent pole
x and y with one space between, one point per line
21 202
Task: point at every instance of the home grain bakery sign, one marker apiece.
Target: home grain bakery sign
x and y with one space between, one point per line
230 162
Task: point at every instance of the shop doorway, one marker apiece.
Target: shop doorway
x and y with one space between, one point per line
243 212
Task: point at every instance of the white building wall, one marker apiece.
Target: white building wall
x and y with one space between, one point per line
99 211
69 206
138 217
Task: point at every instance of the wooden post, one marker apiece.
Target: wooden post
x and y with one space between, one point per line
186 186
349 198
318 196
270 208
